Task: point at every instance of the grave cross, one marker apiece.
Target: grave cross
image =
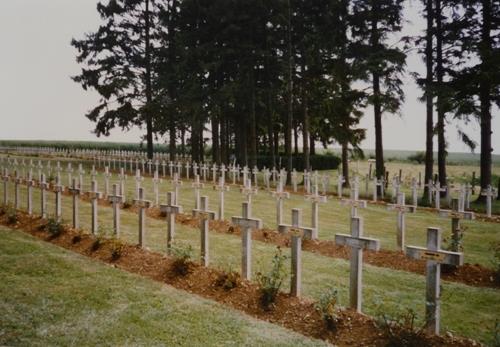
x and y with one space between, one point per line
340 184
279 195
138 180
43 195
116 199
74 190
434 256
247 224
69 171
107 176
176 183
315 199
171 168
223 171
221 187
354 202
255 173
294 180
357 243
188 169
437 194
204 170
489 193
94 196
205 216
456 214
402 209
17 183
467 196
122 177
58 189
156 182
163 164
234 171
197 185
80 177
195 169
170 209
30 183
414 191
248 191
5 179
93 173
143 205
307 181
297 231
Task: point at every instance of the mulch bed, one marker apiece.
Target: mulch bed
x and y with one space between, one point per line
297 314
470 274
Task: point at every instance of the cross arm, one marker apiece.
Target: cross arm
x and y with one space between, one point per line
251 223
441 257
362 242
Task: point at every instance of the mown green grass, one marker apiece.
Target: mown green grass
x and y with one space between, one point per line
466 310
53 297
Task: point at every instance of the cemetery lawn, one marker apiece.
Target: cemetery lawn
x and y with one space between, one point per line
51 296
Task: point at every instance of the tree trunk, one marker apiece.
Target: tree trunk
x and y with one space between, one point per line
429 128
295 137
149 92
172 137
312 146
485 53
215 140
440 102
289 121
223 141
253 126
305 131
345 164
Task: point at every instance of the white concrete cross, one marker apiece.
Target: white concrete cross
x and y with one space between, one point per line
156 187
357 243
402 209
163 170
188 169
150 164
315 199
247 224
204 170
456 214
94 196
81 172
107 176
179 169
435 256
307 182
143 205
223 171
170 209
430 188
255 174
44 186
58 190
74 190
354 202
195 168
221 188
176 183
93 173
197 185
245 173
396 186
17 184
69 171
437 194
30 183
214 173
116 199
205 215
5 179
171 168
247 190
295 179
280 195
414 191
489 193
340 184
234 170
467 196
138 180
325 182
297 232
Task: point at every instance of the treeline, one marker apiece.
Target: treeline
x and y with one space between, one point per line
264 78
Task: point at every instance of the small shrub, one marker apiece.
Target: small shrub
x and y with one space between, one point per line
271 282
116 247
3 210
76 239
228 279
54 227
326 306
12 217
97 243
183 255
127 204
402 330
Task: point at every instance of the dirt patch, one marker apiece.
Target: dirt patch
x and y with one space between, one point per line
297 314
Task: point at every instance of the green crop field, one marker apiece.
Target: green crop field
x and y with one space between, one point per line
466 310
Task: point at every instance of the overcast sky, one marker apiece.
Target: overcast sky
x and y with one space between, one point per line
38 100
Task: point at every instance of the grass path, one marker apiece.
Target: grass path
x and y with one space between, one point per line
50 296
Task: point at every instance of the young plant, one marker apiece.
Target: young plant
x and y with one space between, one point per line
127 204
183 255
12 217
54 227
271 282
401 330
327 307
116 247
228 278
98 242
496 260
